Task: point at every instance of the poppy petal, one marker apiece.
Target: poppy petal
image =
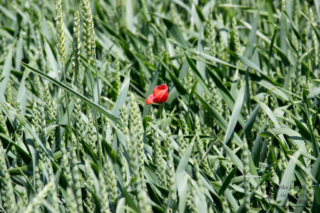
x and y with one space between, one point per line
164 97
159 88
150 99
161 96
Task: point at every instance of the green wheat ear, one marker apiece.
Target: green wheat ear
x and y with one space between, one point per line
111 180
190 198
117 76
71 201
212 34
6 188
315 41
246 172
76 45
65 161
76 184
143 201
124 119
137 131
88 30
157 152
3 124
88 202
9 93
182 143
39 198
35 117
103 194
170 171
61 40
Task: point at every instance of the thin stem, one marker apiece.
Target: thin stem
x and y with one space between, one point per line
77 131
160 116
97 78
101 120
98 90
68 114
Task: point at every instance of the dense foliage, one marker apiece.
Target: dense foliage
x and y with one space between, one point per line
239 131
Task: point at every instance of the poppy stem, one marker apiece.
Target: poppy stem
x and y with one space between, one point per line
160 117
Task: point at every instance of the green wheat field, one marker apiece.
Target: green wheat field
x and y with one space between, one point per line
239 131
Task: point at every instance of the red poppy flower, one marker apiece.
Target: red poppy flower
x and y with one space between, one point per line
160 95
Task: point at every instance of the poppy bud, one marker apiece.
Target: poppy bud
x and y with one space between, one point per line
160 95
